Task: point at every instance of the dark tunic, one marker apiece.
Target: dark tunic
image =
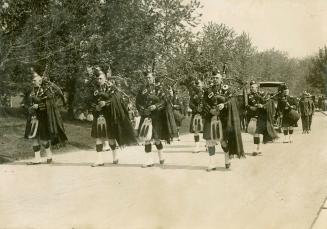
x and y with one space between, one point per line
50 125
229 117
260 114
196 104
304 108
311 111
178 110
163 122
115 112
285 105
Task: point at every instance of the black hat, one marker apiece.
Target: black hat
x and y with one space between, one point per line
252 82
283 87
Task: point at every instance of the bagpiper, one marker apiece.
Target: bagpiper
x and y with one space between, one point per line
177 104
221 121
111 119
157 119
260 112
196 105
46 126
287 107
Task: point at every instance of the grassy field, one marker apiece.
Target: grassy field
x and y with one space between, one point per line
14 146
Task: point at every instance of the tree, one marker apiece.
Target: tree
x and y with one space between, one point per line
317 77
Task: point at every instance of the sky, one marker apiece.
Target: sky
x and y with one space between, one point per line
298 27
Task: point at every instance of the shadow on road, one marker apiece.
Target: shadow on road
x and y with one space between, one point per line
87 164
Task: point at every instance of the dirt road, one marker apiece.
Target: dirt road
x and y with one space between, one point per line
283 188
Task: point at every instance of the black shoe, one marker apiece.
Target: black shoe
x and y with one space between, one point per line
49 160
33 163
227 166
254 154
162 162
211 169
147 166
115 162
97 165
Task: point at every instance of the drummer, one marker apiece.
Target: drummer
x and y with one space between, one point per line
287 106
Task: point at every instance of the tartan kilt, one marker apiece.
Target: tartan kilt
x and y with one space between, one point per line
191 123
43 132
178 116
207 127
287 122
96 132
158 122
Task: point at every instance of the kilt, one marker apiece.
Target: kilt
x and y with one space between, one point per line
96 132
43 132
261 125
178 117
191 123
287 122
157 124
207 127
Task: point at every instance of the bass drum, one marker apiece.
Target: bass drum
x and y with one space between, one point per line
293 116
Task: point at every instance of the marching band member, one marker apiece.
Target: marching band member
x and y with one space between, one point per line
287 106
196 105
46 124
111 119
177 104
221 122
261 112
157 119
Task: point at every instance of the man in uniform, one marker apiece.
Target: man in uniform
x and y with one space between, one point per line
304 112
178 110
261 110
287 105
157 119
312 108
111 119
221 121
46 124
196 105
257 112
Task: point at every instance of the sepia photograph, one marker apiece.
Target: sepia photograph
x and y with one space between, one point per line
163 114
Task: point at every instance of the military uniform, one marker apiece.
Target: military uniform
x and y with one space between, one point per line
157 119
311 111
196 125
257 113
46 123
177 104
286 105
304 111
111 121
221 124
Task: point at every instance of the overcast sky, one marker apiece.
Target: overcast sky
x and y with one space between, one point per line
296 26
